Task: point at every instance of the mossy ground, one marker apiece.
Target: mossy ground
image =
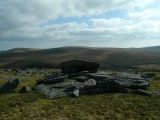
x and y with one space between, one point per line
116 106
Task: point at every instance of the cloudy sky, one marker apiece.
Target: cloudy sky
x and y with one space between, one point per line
97 23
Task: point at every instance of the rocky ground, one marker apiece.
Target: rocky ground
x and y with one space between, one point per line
80 77
78 92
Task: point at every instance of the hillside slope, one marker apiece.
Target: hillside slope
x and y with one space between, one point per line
107 57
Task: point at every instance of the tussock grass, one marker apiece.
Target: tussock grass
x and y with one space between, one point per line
35 106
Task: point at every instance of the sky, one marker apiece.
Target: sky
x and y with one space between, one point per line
94 23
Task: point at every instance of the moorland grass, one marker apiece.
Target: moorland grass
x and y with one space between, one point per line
114 106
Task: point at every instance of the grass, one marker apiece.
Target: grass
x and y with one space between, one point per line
35 106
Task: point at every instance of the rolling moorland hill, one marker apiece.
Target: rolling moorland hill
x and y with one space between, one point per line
148 58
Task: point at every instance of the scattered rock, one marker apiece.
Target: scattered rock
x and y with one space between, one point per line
24 89
72 66
16 70
157 92
9 86
75 93
4 76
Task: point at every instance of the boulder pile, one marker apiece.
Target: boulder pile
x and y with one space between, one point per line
80 77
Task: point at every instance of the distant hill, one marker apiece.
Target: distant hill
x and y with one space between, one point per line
153 47
107 57
15 50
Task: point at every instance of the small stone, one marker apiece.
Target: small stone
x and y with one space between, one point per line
91 83
75 93
24 89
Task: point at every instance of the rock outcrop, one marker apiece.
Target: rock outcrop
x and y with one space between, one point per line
81 80
97 83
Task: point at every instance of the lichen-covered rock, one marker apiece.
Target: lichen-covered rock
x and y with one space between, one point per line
72 66
133 83
125 80
59 89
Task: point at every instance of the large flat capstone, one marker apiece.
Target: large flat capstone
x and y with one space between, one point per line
72 66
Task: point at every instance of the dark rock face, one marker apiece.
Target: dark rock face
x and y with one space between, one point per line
81 78
52 79
103 84
24 89
150 75
9 86
141 92
72 66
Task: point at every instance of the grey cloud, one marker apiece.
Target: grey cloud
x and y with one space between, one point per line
20 21
20 13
